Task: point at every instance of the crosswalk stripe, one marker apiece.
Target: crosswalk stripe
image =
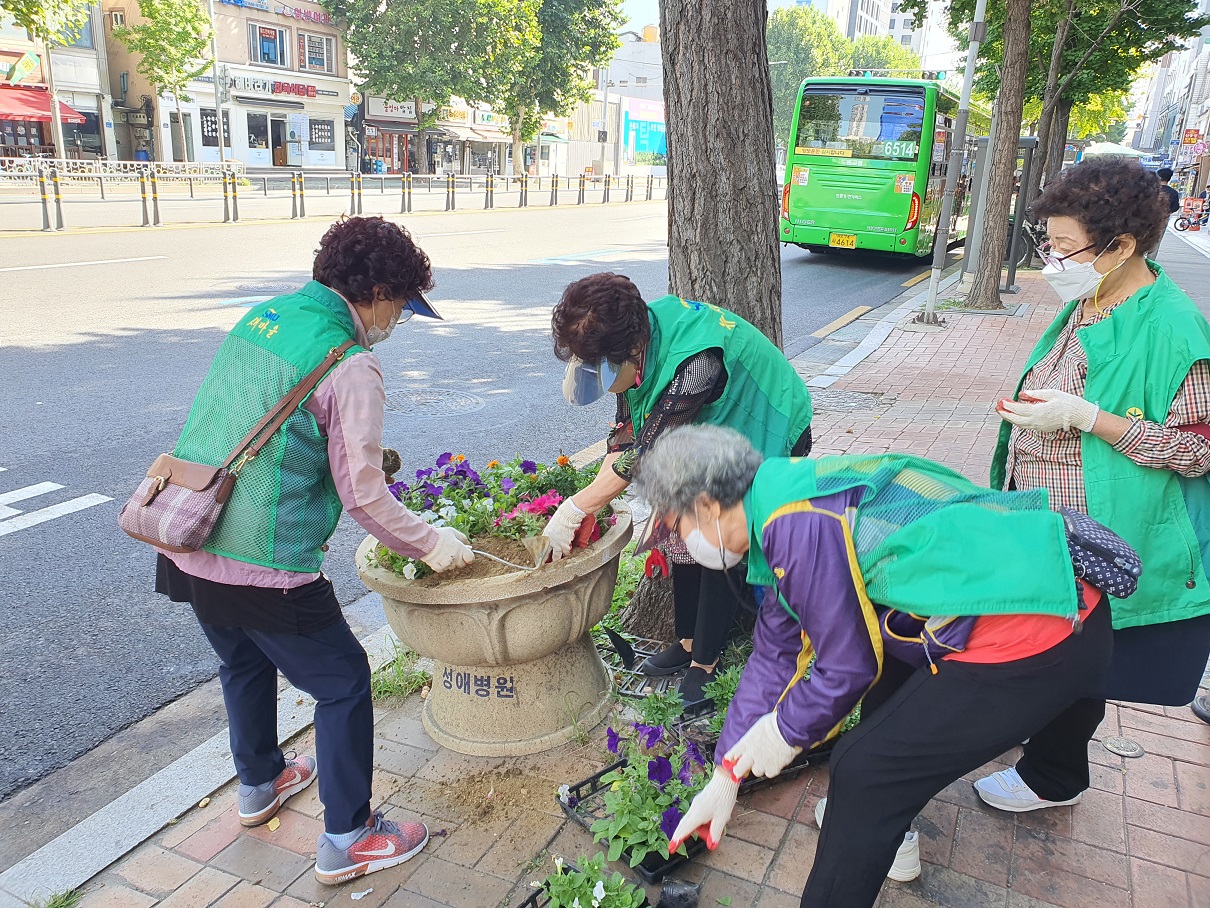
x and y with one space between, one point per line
33 518
40 488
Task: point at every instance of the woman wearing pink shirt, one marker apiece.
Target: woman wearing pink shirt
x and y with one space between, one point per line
256 586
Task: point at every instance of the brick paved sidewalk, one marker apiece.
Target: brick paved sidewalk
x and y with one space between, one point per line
1140 838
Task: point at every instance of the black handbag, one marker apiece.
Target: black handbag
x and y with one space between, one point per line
1101 556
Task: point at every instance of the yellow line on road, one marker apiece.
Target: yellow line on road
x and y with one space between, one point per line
913 281
837 324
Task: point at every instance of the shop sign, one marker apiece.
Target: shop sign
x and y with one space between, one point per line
306 15
371 132
491 118
1191 137
262 5
453 115
27 63
272 87
386 109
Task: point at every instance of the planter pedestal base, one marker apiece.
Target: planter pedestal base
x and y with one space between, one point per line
553 699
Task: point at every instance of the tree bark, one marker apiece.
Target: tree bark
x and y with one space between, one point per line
518 146
1058 140
722 194
650 613
1047 119
985 292
180 125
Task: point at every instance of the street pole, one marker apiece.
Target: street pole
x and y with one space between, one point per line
978 30
218 87
605 115
56 120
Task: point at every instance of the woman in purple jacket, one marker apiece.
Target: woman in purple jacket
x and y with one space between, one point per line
939 698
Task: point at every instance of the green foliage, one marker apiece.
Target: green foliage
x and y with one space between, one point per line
660 707
589 884
170 44
812 44
400 677
722 690
54 20
67 899
1097 117
572 36
436 49
883 53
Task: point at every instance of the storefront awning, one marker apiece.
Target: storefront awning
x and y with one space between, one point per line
33 104
548 139
403 129
493 136
461 133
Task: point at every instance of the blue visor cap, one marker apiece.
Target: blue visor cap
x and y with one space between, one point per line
420 305
584 383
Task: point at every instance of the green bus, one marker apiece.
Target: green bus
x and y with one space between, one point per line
866 165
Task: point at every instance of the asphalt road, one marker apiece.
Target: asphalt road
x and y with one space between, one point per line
105 338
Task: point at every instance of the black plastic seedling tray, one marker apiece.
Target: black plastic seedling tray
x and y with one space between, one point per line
539 898
630 682
586 804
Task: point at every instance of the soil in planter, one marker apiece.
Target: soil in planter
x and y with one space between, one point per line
508 549
495 794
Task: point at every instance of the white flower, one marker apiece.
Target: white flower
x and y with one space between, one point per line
428 516
558 863
448 512
409 571
598 892
576 902
535 884
564 793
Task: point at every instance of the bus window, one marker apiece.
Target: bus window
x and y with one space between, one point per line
860 125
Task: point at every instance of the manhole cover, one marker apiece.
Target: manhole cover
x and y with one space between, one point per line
848 401
433 402
1123 747
270 289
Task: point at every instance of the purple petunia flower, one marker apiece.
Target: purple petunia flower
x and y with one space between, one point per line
685 775
669 820
528 466
659 771
507 485
613 740
425 474
398 489
445 459
694 754
649 735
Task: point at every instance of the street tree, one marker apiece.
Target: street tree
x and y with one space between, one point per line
434 50
886 53
50 22
722 206
811 44
171 44
573 35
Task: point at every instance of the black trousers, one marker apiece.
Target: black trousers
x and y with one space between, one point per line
928 731
331 666
705 603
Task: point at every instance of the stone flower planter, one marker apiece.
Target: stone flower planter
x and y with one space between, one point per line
516 671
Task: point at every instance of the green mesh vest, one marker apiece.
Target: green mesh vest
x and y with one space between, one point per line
284 505
765 398
927 539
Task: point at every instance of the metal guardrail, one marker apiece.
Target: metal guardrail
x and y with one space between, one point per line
48 181
69 167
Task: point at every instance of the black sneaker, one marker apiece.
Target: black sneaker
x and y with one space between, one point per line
691 686
669 662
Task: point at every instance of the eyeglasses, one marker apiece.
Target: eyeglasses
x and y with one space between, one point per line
1049 257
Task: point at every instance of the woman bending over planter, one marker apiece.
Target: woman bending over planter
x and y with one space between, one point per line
948 610
672 362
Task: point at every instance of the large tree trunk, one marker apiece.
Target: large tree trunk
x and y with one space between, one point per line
1058 140
518 146
180 126
1047 120
722 197
650 612
985 292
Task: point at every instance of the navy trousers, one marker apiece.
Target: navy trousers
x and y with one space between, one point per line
332 667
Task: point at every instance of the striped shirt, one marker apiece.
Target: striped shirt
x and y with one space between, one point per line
1052 460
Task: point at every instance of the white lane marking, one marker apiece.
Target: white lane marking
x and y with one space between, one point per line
33 518
141 258
7 498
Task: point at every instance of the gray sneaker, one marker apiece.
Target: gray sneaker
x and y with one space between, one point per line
383 844
257 807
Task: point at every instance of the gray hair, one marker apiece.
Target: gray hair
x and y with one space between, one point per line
693 460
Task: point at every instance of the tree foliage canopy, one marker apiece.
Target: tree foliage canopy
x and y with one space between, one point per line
883 53
48 19
171 44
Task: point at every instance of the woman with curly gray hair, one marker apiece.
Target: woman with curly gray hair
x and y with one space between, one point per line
912 588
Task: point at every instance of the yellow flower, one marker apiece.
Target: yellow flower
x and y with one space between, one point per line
492 464
563 460
458 458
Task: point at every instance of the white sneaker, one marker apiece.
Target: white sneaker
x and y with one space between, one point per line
906 866
1006 790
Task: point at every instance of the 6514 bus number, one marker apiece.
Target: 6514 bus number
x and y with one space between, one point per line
900 149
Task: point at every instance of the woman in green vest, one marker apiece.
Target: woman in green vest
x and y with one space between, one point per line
672 362
1110 418
947 610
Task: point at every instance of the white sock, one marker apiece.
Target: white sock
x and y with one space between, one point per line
346 840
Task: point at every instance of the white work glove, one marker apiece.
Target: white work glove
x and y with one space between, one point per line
762 751
1054 410
451 551
709 812
562 528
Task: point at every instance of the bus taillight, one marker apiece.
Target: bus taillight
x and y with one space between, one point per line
913 213
785 201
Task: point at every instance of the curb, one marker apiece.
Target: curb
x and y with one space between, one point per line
1190 242
881 331
73 858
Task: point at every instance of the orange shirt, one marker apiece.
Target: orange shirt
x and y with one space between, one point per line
1007 638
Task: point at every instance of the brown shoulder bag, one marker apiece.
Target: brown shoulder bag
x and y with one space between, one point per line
177 505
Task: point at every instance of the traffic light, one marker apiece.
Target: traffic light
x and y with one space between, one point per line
861 72
937 75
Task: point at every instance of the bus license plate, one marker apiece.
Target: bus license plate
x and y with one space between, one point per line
843 240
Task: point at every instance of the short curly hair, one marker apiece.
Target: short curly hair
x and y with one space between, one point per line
602 316
358 254
1110 197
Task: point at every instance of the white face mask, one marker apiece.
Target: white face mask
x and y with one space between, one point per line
712 557
376 335
1077 281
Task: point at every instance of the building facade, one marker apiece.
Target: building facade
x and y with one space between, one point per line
901 26
855 17
283 84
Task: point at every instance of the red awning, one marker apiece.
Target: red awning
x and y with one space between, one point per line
32 104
